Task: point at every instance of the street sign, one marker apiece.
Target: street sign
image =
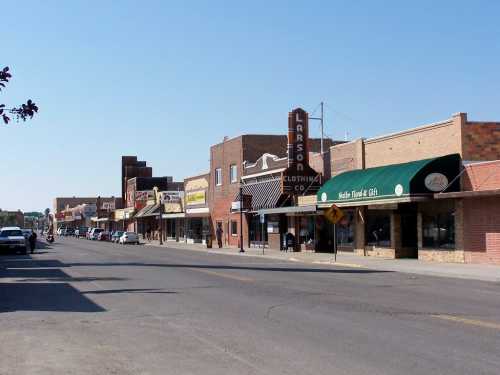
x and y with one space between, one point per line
333 214
262 218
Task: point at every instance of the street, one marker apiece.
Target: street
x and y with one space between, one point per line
88 307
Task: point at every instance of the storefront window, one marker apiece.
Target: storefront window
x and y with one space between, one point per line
438 230
234 228
306 233
378 230
345 230
257 230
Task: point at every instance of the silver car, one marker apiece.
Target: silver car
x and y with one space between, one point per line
129 237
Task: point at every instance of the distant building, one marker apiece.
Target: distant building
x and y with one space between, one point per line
11 219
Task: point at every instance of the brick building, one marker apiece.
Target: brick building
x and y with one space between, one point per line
131 168
227 161
409 221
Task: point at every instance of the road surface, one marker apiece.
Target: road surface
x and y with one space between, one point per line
84 307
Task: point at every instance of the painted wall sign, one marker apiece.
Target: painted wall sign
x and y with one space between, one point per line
299 178
194 198
436 182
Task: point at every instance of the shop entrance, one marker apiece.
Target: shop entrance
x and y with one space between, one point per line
409 235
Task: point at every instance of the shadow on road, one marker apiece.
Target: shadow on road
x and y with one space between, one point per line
28 284
117 291
223 267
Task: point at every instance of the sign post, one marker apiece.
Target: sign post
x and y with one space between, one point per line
333 214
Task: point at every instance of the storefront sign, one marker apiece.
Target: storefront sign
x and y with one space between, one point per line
436 182
358 194
171 196
299 178
194 198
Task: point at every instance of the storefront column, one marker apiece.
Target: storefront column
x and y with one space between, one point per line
420 236
460 255
359 231
396 244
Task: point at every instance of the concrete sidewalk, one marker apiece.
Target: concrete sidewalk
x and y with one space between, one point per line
483 272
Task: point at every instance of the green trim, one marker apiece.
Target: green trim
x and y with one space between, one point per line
397 181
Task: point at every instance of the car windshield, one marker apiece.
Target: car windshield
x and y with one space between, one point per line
9 233
130 233
118 233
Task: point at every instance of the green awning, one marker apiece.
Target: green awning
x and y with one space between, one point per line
396 182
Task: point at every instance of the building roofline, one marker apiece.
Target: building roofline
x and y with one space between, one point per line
410 131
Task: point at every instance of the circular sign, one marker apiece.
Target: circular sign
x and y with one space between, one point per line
398 189
436 182
323 197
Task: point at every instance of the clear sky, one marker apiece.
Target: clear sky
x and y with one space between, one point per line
166 79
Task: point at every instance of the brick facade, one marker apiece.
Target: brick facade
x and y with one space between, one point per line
482 228
481 141
235 151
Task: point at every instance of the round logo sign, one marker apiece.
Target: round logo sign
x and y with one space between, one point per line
398 190
436 182
323 197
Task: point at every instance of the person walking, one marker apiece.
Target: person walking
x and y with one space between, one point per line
218 234
32 241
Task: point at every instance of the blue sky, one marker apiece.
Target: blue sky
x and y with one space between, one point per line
166 79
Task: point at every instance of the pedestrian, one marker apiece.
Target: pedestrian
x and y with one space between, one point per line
148 234
218 234
32 241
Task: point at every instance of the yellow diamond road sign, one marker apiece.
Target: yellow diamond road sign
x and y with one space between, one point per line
333 214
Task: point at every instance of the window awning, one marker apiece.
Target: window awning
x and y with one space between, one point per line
265 194
394 183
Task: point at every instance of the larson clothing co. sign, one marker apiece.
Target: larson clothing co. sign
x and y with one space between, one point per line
299 178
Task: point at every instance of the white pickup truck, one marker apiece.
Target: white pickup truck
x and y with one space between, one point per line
12 239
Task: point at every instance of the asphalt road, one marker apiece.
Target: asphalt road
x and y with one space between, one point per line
82 307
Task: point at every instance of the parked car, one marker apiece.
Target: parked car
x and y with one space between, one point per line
129 237
81 232
103 236
116 236
95 233
12 239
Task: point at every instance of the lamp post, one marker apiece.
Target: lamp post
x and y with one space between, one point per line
160 218
241 218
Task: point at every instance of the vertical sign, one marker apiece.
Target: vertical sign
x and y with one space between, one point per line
298 139
299 178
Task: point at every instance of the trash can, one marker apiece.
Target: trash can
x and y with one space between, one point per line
208 241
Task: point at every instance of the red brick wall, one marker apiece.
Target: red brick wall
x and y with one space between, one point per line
481 141
482 230
482 176
223 155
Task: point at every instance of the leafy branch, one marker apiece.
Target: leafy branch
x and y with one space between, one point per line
24 111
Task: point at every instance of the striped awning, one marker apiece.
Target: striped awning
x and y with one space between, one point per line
149 210
264 194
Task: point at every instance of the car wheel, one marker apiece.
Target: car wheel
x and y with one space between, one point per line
24 251
137 243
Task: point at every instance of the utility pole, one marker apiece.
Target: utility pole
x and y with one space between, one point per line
322 130
321 120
